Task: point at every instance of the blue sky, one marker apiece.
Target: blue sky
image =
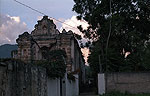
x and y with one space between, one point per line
16 19
54 8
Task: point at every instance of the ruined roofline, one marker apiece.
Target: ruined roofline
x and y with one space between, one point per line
45 18
45 26
46 30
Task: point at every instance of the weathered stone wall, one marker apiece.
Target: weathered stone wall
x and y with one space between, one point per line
129 82
19 79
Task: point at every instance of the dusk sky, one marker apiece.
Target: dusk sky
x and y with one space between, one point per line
16 18
59 9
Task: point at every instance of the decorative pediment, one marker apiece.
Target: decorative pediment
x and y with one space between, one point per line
24 37
45 26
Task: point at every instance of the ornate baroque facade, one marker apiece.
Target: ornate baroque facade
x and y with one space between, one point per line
45 36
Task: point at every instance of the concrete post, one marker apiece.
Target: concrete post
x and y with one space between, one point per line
101 83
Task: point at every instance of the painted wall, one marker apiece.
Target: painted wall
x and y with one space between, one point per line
69 88
53 87
72 87
101 84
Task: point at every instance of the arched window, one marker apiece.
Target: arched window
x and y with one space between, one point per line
44 51
23 52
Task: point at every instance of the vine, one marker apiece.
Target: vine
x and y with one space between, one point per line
71 77
54 63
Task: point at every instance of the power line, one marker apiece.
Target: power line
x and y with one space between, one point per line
42 13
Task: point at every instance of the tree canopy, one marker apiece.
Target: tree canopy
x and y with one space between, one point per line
130 33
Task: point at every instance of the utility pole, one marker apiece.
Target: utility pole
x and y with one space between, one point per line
100 65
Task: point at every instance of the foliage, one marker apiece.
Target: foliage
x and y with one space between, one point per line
146 57
130 21
71 77
123 94
78 36
54 64
88 72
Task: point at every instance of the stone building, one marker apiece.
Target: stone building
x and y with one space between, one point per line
45 36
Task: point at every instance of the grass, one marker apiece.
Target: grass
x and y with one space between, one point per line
124 94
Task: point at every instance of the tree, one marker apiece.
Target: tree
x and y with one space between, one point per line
146 56
130 31
54 63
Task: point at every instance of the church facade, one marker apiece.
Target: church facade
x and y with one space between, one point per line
45 36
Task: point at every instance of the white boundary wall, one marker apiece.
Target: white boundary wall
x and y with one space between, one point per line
53 87
101 83
72 87
69 88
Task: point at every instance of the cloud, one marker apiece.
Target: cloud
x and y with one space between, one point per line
17 19
10 28
85 52
39 17
73 22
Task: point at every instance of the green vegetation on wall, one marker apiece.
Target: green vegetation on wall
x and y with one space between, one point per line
54 64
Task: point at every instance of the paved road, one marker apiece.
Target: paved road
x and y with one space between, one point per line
87 94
